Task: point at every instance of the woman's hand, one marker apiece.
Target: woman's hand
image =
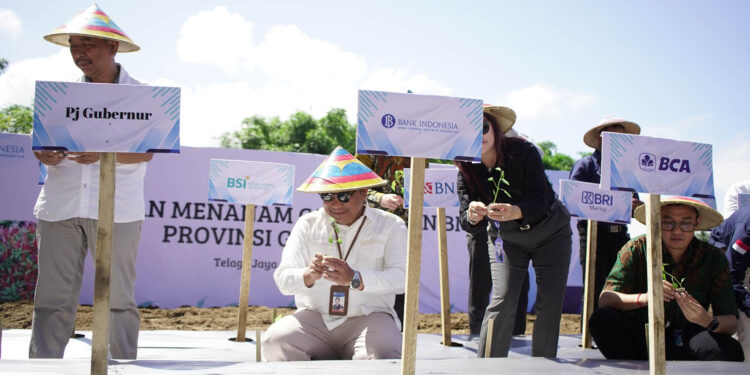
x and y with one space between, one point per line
476 212
504 212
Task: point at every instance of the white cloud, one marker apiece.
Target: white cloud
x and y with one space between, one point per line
542 101
216 37
17 82
295 71
10 23
731 160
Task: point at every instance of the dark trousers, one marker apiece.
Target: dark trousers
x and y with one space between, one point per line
398 305
608 244
480 286
620 335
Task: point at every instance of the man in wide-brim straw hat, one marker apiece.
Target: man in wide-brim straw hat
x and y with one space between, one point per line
696 276
348 249
610 236
67 207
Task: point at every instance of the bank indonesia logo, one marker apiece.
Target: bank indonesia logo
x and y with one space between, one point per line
388 120
647 162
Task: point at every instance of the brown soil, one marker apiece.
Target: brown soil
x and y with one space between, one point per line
17 315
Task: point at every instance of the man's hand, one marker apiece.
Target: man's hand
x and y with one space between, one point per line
391 201
693 311
337 271
669 291
50 157
84 157
314 271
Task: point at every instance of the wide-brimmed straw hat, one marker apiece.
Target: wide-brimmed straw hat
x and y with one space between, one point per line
709 217
504 116
591 138
95 23
340 172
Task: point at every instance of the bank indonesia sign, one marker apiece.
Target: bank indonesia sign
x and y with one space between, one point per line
585 200
424 126
657 166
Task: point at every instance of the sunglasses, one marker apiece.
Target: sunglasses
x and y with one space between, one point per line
343 197
669 226
485 127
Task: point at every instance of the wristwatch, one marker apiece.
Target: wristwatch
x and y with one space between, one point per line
356 281
713 325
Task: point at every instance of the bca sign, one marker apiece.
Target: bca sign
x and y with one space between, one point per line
657 166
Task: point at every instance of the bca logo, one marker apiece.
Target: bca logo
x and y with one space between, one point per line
388 120
428 187
647 162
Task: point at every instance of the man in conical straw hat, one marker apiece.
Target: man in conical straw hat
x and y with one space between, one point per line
696 276
67 207
610 237
343 250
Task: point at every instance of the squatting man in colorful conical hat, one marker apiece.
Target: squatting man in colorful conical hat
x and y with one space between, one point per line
696 280
67 207
343 254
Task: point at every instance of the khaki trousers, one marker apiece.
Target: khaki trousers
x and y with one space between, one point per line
62 249
303 336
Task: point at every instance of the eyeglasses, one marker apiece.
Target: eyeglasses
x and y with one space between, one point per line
669 226
485 127
343 197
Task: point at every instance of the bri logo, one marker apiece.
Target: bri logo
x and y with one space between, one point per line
388 120
589 197
439 187
647 162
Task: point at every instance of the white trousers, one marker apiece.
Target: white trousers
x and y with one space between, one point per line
303 336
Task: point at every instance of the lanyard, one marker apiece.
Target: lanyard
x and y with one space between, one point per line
336 233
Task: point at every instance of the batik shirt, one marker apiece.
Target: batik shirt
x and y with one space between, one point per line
704 268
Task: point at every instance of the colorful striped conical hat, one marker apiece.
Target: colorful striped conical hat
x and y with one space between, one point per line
340 172
95 23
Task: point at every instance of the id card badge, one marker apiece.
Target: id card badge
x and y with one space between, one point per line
338 303
499 256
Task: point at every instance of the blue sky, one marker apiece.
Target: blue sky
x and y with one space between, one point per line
677 68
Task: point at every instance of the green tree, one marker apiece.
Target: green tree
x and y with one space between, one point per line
3 65
300 133
554 160
16 119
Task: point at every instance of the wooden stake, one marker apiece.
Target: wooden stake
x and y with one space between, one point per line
247 260
488 339
656 350
588 286
105 227
445 295
257 344
413 262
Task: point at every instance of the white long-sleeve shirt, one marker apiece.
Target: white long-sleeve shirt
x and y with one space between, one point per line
379 254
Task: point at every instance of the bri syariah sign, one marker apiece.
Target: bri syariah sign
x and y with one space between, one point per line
75 116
